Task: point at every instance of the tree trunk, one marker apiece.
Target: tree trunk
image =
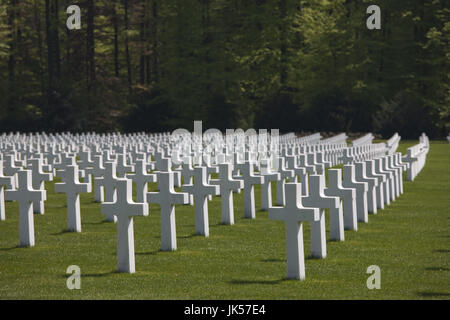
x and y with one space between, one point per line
55 27
283 43
91 75
37 21
155 77
207 41
116 40
127 48
142 44
12 43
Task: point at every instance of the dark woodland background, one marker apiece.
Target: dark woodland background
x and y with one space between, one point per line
157 65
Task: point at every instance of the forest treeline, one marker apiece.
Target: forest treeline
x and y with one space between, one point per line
157 65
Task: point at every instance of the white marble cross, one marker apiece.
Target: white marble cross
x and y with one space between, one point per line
393 186
397 159
361 192
293 214
39 177
108 182
304 164
392 163
97 170
371 173
291 164
201 189
311 157
141 177
386 183
335 189
299 173
158 156
125 209
72 188
346 157
226 187
122 167
284 174
165 165
25 196
10 169
372 183
167 198
317 199
266 187
84 162
66 160
320 160
210 169
250 180
5 183
187 172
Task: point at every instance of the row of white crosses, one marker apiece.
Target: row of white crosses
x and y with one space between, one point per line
366 185
416 157
364 181
72 189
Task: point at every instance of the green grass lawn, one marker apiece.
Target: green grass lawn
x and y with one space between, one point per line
409 241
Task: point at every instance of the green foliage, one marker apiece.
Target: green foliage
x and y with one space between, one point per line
262 63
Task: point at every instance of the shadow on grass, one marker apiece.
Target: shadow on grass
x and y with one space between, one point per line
265 282
441 251
100 275
192 235
437 269
61 233
149 253
427 294
218 225
9 249
310 257
93 275
96 223
273 260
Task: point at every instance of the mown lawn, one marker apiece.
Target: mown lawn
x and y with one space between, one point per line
409 241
